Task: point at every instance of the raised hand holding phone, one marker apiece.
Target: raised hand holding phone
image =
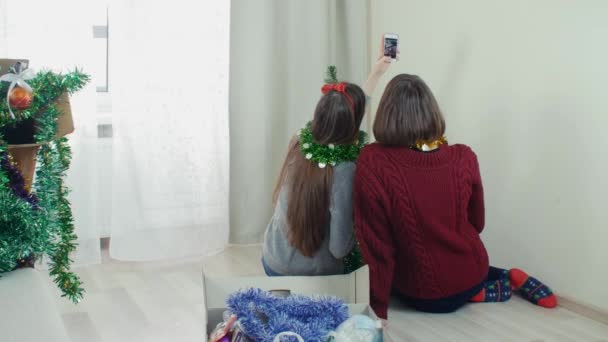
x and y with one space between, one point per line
380 66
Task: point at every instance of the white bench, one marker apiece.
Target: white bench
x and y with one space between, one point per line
27 309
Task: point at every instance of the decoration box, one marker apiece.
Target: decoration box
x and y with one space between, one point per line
353 288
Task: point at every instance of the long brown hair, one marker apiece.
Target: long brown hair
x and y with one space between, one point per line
408 113
336 121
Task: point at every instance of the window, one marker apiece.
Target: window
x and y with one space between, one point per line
101 33
100 67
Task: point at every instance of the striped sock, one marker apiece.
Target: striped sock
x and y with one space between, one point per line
532 289
494 291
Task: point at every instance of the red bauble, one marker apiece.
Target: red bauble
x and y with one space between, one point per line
20 98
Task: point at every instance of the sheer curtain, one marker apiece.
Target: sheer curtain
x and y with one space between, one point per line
280 50
52 37
169 83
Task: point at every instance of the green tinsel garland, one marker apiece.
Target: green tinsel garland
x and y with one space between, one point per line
45 230
354 260
330 154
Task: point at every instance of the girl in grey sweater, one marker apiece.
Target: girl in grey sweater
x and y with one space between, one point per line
311 230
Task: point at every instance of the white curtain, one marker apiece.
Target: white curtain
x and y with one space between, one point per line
169 84
164 188
169 72
57 35
280 50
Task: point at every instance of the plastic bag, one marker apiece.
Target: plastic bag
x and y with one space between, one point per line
358 328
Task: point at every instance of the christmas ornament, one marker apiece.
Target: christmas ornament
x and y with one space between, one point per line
20 98
330 154
17 77
221 331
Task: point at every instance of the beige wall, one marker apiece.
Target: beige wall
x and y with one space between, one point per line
525 84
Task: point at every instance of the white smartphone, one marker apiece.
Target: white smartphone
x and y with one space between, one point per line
391 44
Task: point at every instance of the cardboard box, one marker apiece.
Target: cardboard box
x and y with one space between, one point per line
352 288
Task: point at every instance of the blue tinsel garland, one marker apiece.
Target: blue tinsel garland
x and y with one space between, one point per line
263 315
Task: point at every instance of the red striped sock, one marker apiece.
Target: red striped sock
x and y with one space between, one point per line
494 291
532 289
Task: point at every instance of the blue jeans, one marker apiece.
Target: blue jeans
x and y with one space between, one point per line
268 271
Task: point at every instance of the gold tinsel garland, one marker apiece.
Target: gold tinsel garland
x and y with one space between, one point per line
425 146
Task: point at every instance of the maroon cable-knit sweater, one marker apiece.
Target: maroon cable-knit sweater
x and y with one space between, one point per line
418 216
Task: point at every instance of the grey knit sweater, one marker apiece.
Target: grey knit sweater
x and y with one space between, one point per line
282 258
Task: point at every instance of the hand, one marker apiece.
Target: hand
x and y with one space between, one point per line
382 62
378 69
381 66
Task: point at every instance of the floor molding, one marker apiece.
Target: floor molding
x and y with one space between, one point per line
586 310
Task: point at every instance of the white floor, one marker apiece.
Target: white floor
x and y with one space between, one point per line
162 301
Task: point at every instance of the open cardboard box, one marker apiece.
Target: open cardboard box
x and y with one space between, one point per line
352 288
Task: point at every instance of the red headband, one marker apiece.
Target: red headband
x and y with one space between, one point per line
340 88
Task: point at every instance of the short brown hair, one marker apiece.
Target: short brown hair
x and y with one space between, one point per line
407 113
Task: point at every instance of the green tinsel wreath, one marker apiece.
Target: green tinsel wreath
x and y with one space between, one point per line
44 228
330 154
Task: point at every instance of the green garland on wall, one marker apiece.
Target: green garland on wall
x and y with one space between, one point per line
44 229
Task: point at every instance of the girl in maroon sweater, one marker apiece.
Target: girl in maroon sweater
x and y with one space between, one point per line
419 211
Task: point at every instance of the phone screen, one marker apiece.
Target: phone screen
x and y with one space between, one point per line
390 47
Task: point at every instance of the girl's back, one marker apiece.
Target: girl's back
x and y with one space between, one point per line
283 258
312 227
436 214
419 210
